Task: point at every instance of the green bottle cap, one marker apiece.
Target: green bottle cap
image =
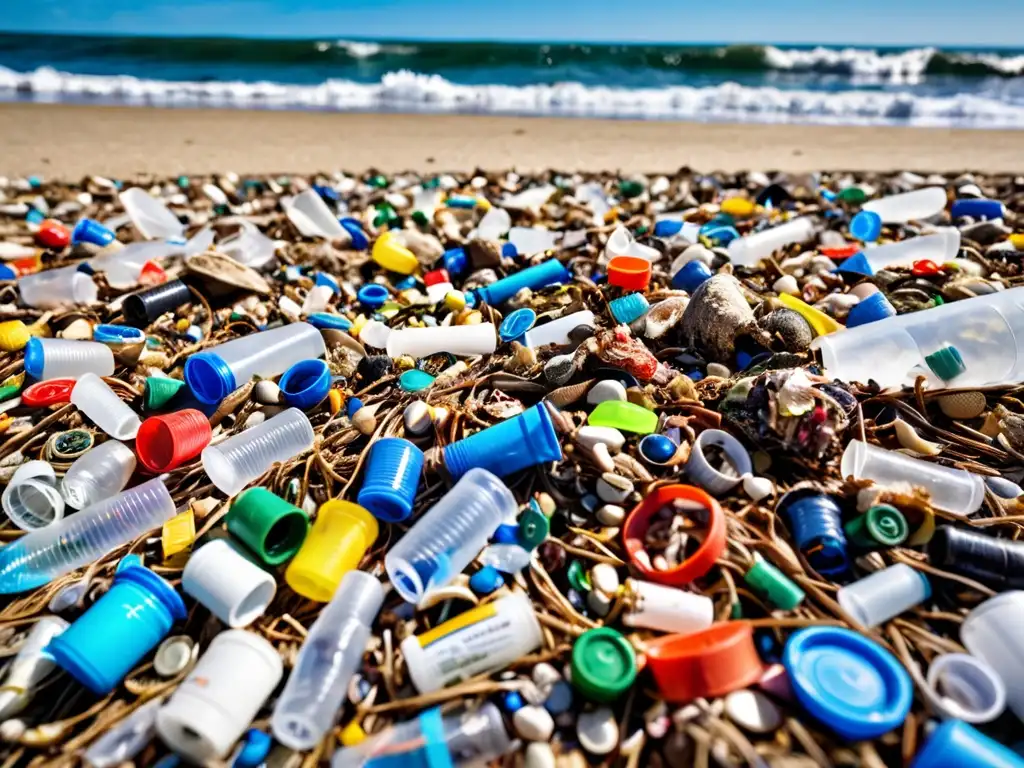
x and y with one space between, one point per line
603 664
159 390
882 524
629 188
852 195
765 579
420 218
578 578
268 525
947 363
533 528
624 415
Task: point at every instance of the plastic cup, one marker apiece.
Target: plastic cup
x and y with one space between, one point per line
339 538
506 448
31 498
709 477
311 216
94 398
166 442
306 384
966 688
98 474
56 288
268 525
392 479
234 589
884 594
149 215
994 632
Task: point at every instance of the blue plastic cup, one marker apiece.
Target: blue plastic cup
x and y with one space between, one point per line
106 642
955 744
392 479
92 232
306 384
977 208
548 273
512 445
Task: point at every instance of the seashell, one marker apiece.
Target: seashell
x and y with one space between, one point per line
80 330
335 338
664 316
912 441
218 268
963 405
441 594
568 395
364 420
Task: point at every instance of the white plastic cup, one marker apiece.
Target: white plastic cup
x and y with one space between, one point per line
708 477
47 359
884 594
557 331
150 216
311 216
98 474
32 499
56 288
748 251
966 688
955 491
667 609
214 705
940 248
461 340
908 206
233 588
994 633
94 397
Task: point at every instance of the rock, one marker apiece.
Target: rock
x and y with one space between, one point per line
717 314
757 488
544 676
599 603
753 711
559 369
604 578
533 723
428 249
788 329
719 370
1003 488
609 389
588 437
664 316
539 755
597 731
614 488
417 418
483 253
266 393
787 284
611 515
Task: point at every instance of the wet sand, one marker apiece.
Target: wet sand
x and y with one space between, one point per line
63 141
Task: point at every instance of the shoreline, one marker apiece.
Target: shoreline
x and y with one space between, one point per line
70 141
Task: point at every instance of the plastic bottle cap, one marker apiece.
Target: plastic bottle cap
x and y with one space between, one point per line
268 525
533 528
848 682
517 323
373 296
840 251
359 240
34 358
164 443
324 320
51 392
691 276
389 253
14 335
709 663
874 307
946 363
603 664
657 449
415 380
629 272
117 334
881 524
866 226
305 384
857 264
436 277
209 377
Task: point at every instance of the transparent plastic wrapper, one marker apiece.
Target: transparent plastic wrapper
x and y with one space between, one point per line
30 666
907 206
94 398
956 491
234 463
311 216
531 240
41 556
250 246
987 333
495 223
125 739
748 251
56 288
994 633
67 359
123 268
215 373
149 215
557 331
462 340
447 538
98 474
884 594
621 243
32 498
327 660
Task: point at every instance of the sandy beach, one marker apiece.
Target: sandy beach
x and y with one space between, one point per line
63 141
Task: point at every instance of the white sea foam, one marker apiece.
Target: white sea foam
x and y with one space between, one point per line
408 91
898 66
358 49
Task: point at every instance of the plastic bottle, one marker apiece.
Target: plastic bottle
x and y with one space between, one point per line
549 272
41 556
447 538
940 248
557 331
884 594
952 490
463 340
340 537
483 639
955 744
94 398
462 740
123 267
507 447
57 287
213 374
994 632
66 359
327 660
98 474
30 667
31 499
234 463
748 251
149 215
908 206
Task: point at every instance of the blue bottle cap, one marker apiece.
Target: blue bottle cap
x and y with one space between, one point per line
955 744
866 226
405 283
517 323
874 307
373 295
327 193
486 580
667 228
848 682
691 276
506 533
856 264
209 377
117 334
629 308
392 479
34 216
306 384
254 750
92 232
6 273
323 320
455 261
322 278
34 358
359 239
509 251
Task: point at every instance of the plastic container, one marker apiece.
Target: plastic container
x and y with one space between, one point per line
311 216
78 540
462 340
328 658
966 688
94 398
748 251
30 667
392 479
143 308
483 639
234 463
955 744
149 215
214 705
907 206
98 474
306 384
462 740
505 448
629 308
884 594
667 609
940 248
56 288
389 252
268 525
340 537
955 491
998 563
213 374
629 272
709 663
710 478
446 539
103 644
66 359
166 442
815 521
32 499
994 633
234 589
549 272
872 309
557 331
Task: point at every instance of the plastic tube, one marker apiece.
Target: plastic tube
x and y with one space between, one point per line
57 287
987 332
31 498
538 276
392 479
340 536
215 373
141 309
328 658
557 331
30 667
667 609
94 397
166 442
748 251
815 521
505 448
940 247
66 359
149 215
884 594
234 589
98 474
952 490
994 562
41 556
447 538
919 204
955 743
463 340
234 463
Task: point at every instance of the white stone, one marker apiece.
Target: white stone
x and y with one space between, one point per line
539 755
719 370
786 284
588 437
611 514
616 491
533 723
757 488
599 603
544 676
753 711
609 389
375 334
417 418
604 578
597 731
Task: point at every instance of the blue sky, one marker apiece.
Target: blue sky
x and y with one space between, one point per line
862 22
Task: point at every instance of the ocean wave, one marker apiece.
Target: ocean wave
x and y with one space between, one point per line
359 49
898 66
408 91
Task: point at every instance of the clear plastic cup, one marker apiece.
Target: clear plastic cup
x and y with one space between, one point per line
447 538
463 340
94 397
98 474
311 216
66 359
964 687
907 206
249 247
994 632
557 331
56 288
32 499
234 463
748 251
149 215
531 240
952 490
884 594
711 478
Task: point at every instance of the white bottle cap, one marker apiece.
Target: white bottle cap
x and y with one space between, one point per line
234 589
966 688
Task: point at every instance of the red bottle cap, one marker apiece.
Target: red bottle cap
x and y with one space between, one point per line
166 442
629 272
709 663
52 392
152 274
840 251
53 234
924 268
436 277
702 560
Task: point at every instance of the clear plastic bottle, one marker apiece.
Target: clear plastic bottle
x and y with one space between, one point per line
215 373
447 538
30 667
329 657
98 474
481 339
94 397
234 463
907 206
66 359
748 251
57 287
41 556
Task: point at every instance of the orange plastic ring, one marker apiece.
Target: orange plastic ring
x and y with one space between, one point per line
629 272
702 560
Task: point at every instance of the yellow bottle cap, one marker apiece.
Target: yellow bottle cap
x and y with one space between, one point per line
1017 240
822 324
178 534
14 335
339 538
352 734
394 256
740 207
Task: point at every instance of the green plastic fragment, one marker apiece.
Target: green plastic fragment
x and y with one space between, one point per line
624 415
852 195
533 528
159 390
767 580
578 578
415 380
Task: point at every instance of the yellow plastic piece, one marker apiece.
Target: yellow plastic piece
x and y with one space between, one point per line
471 318
612 215
394 256
182 325
339 538
352 734
822 324
405 363
14 335
357 325
179 533
739 207
455 301
1017 240
336 400
483 204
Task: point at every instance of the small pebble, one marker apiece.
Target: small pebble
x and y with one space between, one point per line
533 723
609 389
719 370
539 755
753 711
597 731
611 515
375 334
614 488
266 393
417 418
559 699
605 578
787 284
1003 488
757 488
599 603
588 437
544 676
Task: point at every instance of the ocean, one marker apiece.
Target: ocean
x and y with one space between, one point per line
771 83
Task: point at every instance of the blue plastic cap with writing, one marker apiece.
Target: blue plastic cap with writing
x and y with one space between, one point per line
955 744
34 358
306 383
359 239
92 232
323 320
209 377
691 276
392 479
866 226
874 307
373 295
667 228
512 445
856 264
548 273
977 208
848 682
